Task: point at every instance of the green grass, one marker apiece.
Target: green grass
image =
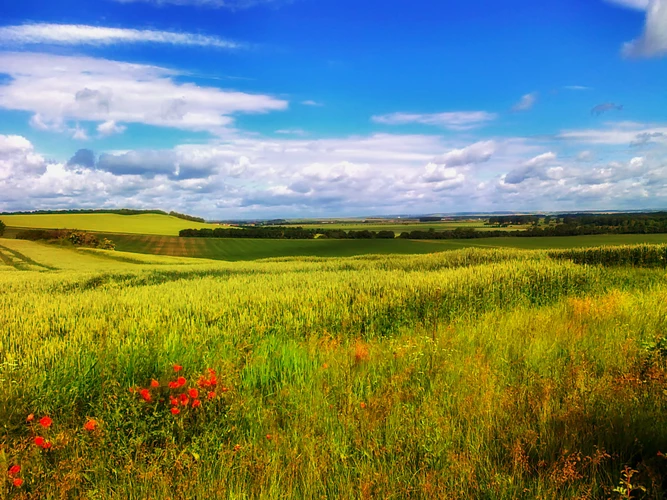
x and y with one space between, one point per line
251 249
110 223
476 373
398 228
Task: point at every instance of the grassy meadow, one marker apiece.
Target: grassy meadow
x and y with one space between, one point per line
472 373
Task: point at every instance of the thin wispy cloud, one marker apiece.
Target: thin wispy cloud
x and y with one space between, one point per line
577 87
311 103
526 102
459 120
79 34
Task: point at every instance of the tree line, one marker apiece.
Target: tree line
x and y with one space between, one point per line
283 233
119 211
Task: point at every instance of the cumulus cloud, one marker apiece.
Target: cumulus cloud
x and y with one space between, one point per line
479 152
460 120
536 167
83 158
653 41
527 102
110 127
79 34
381 173
61 88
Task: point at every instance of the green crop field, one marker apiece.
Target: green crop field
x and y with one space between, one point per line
398 228
110 223
233 249
473 373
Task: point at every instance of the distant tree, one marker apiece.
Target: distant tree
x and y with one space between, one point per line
2 228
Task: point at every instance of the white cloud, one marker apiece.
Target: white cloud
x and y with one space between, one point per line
653 41
79 133
619 133
460 120
312 103
479 152
633 4
382 173
79 34
292 131
577 87
110 127
61 88
526 102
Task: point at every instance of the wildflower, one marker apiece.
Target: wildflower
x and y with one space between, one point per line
325 366
18 482
211 395
181 381
211 371
155 383
45 422
175 411
363 405
269 437
193 393
173 401
177 368
30 418
184 399
90 425
213 380
145 394
173 385
237 447
203 382
39 441
46 445
14 469
196 403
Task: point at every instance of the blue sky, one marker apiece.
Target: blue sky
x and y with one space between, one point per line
272 108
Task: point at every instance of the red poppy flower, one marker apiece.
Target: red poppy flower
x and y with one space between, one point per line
39 441
155 383
30 418
14 469
46 445
203 382
193 393
269 437
173 385
196 403
213 380
18 482
211 371
181 381
211 395
177 368
363 405
225 389
90 425
146 395
175 411
173 401
45 422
